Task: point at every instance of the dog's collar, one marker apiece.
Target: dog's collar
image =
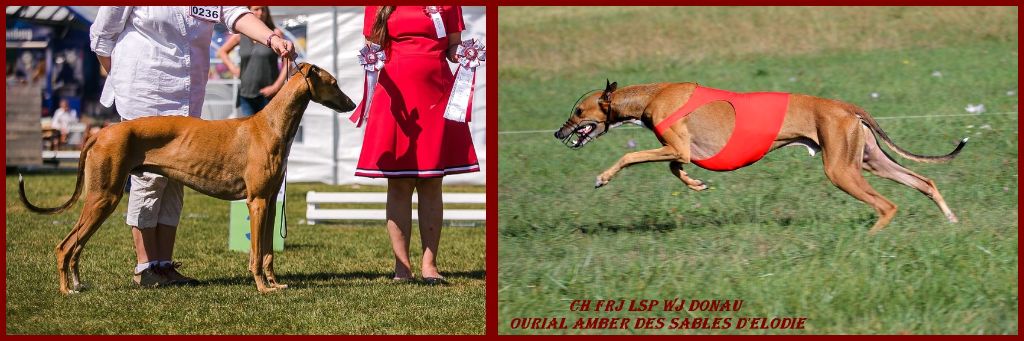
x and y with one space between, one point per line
305 76
610 114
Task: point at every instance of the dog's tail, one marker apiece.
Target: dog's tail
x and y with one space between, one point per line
74 197
871 123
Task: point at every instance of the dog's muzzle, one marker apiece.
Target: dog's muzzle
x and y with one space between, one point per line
580 135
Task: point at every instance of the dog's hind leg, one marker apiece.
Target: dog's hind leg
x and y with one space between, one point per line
676 168
879 163
104 189
661 154
98 206
841 156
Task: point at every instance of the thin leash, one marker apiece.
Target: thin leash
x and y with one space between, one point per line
284 199
284 206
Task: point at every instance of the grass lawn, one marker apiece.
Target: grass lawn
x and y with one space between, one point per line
339 276
778 234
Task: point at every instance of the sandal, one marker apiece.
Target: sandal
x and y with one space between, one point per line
439 280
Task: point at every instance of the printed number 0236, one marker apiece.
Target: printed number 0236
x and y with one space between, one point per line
205 12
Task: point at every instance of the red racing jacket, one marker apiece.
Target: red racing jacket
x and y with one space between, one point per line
759 117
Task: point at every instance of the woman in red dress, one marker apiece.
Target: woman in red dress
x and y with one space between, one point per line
407 138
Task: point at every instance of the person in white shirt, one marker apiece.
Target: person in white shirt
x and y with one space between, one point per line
158 61
62 120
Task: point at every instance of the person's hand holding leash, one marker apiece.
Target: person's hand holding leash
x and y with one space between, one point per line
252 27
281 46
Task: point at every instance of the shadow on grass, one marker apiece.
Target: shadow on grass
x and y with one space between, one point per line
302 280
667 221
603 227
302 246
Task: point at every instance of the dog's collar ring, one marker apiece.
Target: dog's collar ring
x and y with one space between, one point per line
609 113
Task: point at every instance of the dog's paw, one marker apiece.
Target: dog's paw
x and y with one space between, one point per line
700 186
270 289
600 182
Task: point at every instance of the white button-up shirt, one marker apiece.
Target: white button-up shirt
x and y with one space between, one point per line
160 56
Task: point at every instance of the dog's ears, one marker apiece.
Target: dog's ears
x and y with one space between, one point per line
608 89
297 68
605 101
294 69
610 86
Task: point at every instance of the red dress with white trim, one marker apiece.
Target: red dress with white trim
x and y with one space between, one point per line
406 133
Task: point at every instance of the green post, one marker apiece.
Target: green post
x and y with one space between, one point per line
239 236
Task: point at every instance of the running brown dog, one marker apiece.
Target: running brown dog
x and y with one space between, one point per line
226 159
842 133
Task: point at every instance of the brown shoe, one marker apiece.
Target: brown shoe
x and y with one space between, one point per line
170 271
150 278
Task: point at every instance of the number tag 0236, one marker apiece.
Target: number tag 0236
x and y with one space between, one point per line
206 13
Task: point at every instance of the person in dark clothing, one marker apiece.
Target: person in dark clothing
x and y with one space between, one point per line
259 70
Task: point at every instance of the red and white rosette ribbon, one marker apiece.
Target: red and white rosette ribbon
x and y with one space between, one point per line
372 58
435 16
470 55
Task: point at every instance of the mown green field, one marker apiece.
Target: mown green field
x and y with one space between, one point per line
778 234
339 275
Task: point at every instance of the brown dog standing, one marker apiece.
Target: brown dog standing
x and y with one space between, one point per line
226 159
840 131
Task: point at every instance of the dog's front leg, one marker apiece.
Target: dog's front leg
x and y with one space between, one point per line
661 154
680 142
676 168
257 251
268 243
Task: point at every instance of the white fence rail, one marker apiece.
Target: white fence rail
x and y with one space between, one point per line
315 214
